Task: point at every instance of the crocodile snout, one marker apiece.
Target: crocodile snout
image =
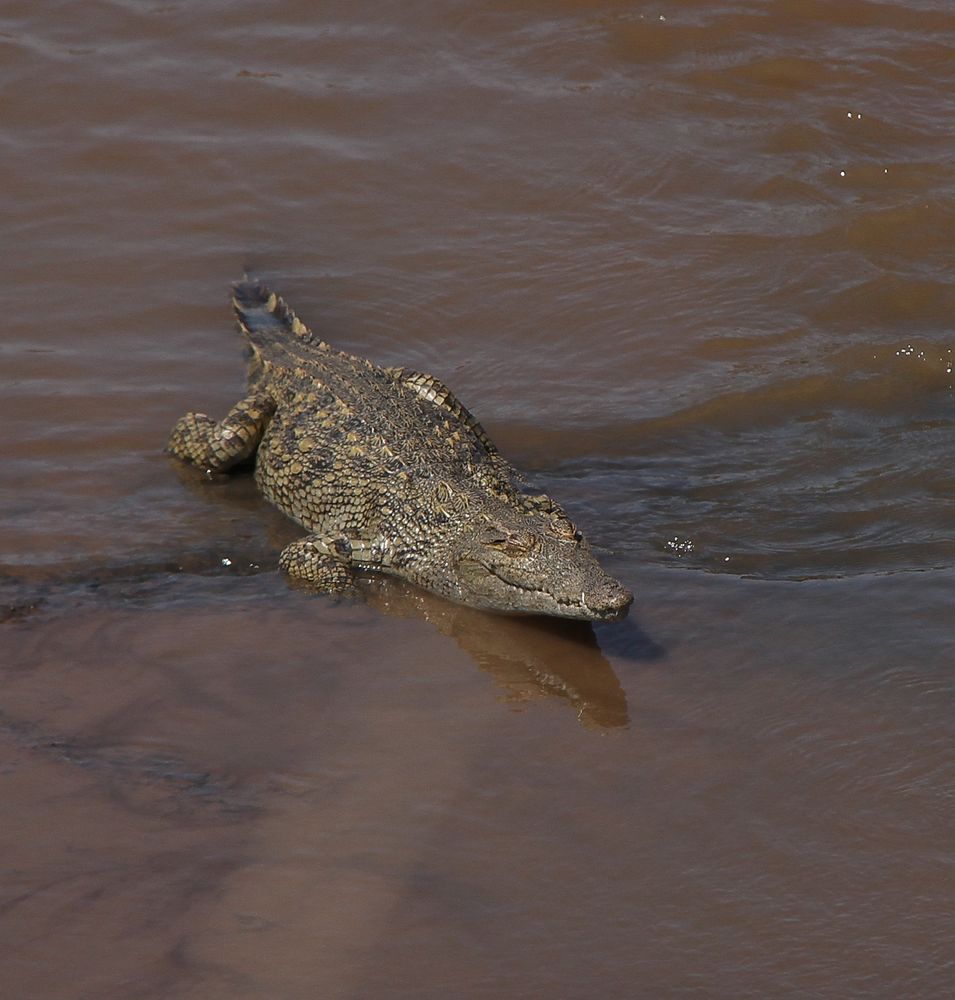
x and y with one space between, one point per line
608 599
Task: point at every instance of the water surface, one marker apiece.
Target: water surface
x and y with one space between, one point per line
691 267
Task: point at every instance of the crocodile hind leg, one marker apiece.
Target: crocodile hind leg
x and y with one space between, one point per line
216 447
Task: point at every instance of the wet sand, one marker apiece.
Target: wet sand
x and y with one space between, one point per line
691 267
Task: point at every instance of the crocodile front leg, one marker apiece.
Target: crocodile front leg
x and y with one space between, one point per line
329 562
216 447
323 562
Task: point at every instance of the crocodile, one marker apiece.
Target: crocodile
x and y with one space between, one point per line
387 471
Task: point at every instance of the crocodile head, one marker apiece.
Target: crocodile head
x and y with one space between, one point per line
533 564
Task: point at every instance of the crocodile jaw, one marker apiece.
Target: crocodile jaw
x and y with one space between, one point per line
574 588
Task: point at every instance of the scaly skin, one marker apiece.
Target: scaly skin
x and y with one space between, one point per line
388 471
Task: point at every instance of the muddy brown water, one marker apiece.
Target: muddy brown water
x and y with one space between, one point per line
691 265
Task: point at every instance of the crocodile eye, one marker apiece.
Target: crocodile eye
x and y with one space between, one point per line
514 543
578 536
519 545
522 544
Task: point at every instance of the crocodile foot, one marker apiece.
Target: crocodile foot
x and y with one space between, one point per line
320 561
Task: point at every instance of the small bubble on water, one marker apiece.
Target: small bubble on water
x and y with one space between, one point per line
680 546
226 562
909 351
842 173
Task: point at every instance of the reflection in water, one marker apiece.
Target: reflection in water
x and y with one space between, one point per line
527 656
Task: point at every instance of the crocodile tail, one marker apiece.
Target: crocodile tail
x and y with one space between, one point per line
267 320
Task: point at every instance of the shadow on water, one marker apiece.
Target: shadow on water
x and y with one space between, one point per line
141 781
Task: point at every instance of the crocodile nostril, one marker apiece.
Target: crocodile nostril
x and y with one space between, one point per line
623 599
611 599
